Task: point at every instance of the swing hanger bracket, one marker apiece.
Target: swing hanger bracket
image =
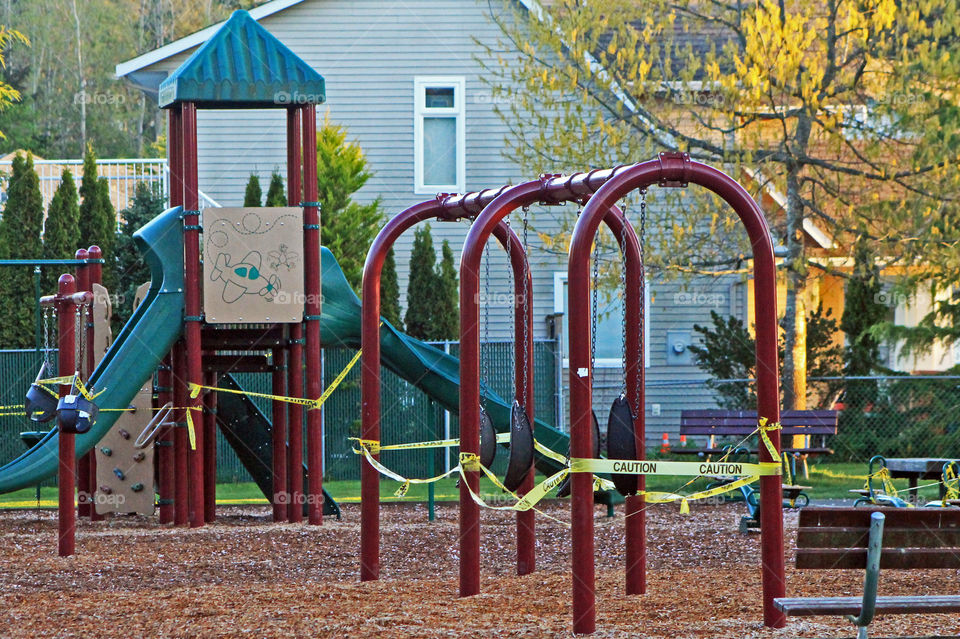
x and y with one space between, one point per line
446 214
674 169
545 179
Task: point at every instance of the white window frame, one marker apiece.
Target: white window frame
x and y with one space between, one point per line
420 111
560 281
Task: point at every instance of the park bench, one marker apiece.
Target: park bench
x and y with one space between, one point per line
741 424
846 538
715 423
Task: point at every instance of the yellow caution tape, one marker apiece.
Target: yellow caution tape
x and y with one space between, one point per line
764 428
311 404
676 468
383 470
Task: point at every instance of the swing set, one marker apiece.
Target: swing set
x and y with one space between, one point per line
598 191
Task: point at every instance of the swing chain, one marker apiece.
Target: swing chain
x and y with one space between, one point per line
593 314
77 343
526 302
485 356
643 289
623 290
47 350
513 315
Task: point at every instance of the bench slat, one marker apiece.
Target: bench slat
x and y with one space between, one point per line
948 518
812 606
742 430
720 451
891 559
856 537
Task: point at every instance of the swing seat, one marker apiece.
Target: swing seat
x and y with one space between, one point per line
520 460
564 489
77 414
40 404
488 440
621 443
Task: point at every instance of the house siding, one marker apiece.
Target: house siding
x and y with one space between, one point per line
369 52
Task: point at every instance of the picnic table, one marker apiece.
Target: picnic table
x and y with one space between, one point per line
914 469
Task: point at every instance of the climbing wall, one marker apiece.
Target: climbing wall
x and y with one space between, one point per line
124 472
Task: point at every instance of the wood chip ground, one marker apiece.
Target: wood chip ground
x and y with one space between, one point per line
245 576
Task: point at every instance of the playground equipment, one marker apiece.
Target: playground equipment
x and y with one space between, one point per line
451 208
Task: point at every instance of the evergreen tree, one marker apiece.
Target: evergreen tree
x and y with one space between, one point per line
253 196
347 228
20 239
61 231
276 192
390 290
422 286
132 270
446 309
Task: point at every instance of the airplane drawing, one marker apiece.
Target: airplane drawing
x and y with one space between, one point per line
244 278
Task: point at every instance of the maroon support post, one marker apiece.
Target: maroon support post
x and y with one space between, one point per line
670 169
164 445
193 318
66 486
311 263
210 449
85 489
181 443
279 436
295 351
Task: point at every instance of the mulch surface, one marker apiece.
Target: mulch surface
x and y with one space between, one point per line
246 576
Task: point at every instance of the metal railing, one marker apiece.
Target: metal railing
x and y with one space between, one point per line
122 176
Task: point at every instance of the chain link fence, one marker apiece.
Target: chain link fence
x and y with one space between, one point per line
893 416
409 415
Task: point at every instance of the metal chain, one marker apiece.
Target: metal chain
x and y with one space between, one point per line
593 315
47 350
76 339
623 289
485 356
83 338
643 289
513 314
526 302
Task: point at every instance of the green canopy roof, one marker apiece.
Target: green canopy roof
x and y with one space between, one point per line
243 66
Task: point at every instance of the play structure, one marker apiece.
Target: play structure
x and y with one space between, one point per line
239 290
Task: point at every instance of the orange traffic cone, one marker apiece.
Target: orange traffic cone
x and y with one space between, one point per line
665 446
683 441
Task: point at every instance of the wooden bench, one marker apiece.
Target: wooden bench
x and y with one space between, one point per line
844 538
740 424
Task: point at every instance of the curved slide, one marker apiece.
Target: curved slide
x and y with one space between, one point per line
158 322
133 356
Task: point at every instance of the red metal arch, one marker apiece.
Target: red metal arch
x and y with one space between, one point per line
671 169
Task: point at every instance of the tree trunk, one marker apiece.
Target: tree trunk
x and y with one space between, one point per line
83 83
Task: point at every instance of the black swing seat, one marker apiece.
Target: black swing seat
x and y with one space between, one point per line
40 405
520 460
488 440
76 414
621 443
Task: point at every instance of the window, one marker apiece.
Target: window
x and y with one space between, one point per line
609 347
439 134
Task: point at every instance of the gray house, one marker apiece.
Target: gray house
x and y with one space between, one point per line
405 80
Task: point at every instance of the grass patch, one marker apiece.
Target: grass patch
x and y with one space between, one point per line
829 481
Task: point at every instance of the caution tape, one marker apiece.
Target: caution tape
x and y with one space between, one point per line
675 468
311 404
763 428
383 470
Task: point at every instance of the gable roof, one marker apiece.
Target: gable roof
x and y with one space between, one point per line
188 42
243 65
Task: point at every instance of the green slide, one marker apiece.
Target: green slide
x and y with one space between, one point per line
157 324
133 356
